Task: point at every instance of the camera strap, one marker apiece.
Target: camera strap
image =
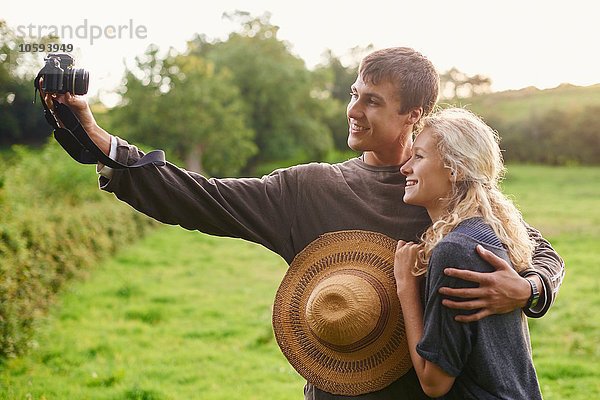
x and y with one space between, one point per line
77 143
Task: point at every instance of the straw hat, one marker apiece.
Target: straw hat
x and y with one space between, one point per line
336 315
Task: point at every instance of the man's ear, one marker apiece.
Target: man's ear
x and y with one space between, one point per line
414 115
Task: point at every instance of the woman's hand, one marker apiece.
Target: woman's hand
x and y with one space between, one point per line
405 261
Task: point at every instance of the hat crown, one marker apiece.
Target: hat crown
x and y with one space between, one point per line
343 309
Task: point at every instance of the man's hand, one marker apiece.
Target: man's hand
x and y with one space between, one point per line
77 104
82 111
499 292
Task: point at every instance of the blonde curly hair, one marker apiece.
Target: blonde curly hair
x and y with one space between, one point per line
469 147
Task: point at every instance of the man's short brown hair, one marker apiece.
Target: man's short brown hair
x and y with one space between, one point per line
409 71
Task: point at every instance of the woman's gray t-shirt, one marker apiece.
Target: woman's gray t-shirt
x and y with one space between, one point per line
490 358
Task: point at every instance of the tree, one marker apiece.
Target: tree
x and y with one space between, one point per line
586 136
21 121
454 84
341 77
278 90
181 104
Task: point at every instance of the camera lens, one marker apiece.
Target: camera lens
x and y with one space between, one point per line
81 81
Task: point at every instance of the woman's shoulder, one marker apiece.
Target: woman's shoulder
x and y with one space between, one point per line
475 230
458 248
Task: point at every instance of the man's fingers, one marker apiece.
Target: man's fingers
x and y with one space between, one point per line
463 305
492 259
473 317
465 293
48 101
467 275
67 99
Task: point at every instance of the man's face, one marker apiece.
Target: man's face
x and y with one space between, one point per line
374 119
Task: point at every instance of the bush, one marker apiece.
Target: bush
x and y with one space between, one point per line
551 137
54 225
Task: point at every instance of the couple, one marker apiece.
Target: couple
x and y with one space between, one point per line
296 208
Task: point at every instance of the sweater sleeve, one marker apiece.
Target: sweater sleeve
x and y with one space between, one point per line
258 210
549 266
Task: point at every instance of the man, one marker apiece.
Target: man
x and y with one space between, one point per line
288 209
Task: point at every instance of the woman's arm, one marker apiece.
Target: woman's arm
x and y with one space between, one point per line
434 381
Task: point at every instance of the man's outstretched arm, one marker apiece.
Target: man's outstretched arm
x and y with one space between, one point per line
504 290
259 210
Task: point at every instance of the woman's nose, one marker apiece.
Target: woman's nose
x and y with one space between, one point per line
406 169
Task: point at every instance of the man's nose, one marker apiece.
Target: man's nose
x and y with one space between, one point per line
354 110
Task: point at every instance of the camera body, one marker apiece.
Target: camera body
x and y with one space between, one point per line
61 77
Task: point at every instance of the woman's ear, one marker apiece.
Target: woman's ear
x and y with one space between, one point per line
452 175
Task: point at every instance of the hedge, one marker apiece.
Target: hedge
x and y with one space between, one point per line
55 224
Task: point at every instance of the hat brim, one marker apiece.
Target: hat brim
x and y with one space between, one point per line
364 367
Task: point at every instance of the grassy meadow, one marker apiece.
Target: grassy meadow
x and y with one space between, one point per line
182 315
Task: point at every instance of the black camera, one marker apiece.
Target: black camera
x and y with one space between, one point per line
60 76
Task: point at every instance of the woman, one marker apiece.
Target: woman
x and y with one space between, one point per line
454 172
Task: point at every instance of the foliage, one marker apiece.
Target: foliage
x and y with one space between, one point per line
21 121
54 224
558 126
284 110
233 106
455 84
182 105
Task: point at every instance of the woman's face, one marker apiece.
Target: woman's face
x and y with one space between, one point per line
428 181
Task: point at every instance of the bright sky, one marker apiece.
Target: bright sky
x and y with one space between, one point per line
517 43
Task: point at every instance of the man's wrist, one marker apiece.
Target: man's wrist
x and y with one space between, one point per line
535 294
524 292
99 136
542 303
103 170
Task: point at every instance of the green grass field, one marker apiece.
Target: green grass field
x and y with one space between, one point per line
181 315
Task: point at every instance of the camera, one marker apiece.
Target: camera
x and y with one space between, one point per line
61 77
